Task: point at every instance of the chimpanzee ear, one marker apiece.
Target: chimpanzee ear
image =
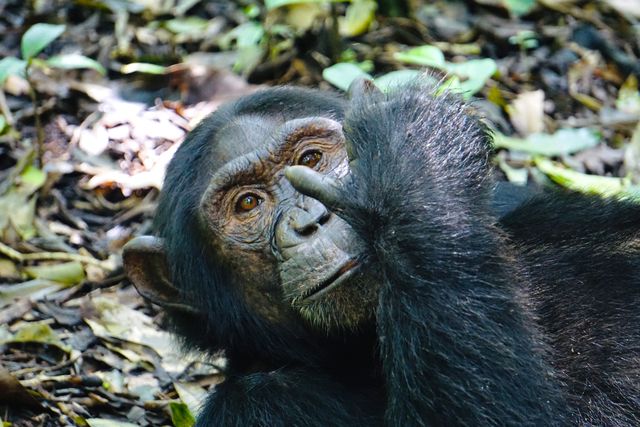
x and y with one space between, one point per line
145 263
361 87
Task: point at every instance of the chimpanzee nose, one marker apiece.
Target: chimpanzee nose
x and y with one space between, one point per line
300 225
310 215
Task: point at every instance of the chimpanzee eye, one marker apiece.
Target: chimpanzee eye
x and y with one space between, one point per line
310 158
247 202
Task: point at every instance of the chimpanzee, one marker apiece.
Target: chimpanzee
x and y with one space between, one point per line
347 257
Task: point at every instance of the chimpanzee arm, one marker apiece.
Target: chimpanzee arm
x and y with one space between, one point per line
584 256
288 397
508 197
456 344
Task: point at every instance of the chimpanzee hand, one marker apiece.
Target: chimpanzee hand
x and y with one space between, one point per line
328 190
321 187
418 193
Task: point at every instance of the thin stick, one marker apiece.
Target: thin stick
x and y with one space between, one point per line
52 256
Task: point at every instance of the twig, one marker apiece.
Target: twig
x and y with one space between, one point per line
38 121
4 109
52 256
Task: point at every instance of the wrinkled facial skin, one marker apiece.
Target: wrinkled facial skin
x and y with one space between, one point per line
287 251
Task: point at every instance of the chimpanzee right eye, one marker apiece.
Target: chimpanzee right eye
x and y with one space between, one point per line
247 202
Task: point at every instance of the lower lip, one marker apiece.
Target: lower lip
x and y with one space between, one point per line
343 274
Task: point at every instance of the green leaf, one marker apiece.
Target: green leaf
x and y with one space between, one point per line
248 58
68 273
452 84
358 17
564 141
74 61
367 65
191 24
191 395
11 66
3 123
526 39
455 85
473 73
390 80
251 11
590 184
34 289
519 7
32 178
516 176
17 204
427 55
342 74
274 4
632 155
36 332
183 6
245 35
142 67
38 37
181 415
23 216
39 332
248 34
103 422
629 96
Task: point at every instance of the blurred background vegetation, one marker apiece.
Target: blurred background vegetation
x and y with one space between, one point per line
96 96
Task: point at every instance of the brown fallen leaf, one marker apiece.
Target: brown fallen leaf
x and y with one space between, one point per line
13 393
527 112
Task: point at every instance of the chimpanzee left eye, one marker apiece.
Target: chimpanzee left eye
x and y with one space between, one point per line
310 158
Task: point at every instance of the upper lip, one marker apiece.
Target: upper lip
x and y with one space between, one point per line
338 276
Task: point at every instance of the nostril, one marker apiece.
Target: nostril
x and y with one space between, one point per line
307 230
324 218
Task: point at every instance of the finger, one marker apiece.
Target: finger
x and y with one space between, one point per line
313 184
363 87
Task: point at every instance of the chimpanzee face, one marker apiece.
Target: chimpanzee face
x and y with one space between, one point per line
285 250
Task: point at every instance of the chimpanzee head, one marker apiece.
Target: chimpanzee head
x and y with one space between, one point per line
238 251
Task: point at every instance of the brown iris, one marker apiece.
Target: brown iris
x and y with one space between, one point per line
247 202
310 158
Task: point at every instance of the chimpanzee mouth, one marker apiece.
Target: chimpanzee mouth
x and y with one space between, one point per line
346 271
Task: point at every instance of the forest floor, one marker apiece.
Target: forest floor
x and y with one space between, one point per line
93 106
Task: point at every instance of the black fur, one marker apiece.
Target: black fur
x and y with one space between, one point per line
291 397
534 321
457 345
583 267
